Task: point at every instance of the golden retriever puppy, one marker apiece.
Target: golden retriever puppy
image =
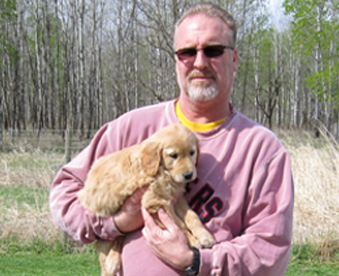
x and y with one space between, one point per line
165 162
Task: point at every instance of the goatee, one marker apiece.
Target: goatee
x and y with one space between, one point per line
203 93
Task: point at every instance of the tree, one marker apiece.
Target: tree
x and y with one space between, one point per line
314 29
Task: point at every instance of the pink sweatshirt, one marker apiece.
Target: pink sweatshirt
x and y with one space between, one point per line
243 194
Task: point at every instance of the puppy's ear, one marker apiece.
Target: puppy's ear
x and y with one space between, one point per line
151 158
197 143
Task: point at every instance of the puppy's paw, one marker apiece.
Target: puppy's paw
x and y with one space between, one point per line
113 264
195 243
206 239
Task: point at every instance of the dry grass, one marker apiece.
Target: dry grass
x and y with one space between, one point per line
25 178
32 168
315 163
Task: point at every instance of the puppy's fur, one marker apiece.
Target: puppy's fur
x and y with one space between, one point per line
166 161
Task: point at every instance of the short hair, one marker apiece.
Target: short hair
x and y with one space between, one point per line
211 10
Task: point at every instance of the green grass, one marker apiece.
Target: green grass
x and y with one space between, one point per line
23 195
311 260
28 264
39 257
49 264
312 269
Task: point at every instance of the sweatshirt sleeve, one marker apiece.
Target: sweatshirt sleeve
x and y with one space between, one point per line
263 248
66 210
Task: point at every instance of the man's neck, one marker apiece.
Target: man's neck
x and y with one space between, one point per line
204 112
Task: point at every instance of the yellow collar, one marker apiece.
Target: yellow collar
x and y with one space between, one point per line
195 126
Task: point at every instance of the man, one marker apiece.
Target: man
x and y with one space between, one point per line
244 189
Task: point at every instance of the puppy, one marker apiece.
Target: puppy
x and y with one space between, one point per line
165 162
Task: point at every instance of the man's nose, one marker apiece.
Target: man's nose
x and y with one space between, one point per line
201 60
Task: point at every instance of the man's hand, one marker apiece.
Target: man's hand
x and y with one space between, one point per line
129 217
170 244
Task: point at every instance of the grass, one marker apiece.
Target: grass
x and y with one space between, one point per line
30 244
306 261
315 165
20 196
313 269
41 258
309 259
49 264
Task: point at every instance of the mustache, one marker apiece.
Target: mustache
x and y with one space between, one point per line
201 74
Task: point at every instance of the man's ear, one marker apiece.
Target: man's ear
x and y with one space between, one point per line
151 158
235 60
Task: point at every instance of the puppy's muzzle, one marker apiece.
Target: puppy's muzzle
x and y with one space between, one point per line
188 175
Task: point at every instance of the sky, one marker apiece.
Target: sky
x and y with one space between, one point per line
278 18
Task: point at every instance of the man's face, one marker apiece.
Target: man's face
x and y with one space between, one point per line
200 77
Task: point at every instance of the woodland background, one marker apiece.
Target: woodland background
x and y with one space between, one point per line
77 64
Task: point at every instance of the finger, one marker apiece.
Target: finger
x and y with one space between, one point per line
149 225
148 219
136 197
166 220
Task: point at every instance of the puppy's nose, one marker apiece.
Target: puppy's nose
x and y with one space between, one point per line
188 175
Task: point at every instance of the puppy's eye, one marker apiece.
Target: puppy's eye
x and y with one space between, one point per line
174 155
192 152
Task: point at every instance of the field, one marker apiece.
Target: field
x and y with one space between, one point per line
30 244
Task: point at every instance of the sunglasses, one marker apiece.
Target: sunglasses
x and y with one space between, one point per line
209 51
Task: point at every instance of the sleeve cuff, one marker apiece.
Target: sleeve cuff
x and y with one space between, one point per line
206 257
109 231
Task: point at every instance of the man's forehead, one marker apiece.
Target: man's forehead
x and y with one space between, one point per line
212 28
196 19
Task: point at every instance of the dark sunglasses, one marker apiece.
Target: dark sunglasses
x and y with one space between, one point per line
209 51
